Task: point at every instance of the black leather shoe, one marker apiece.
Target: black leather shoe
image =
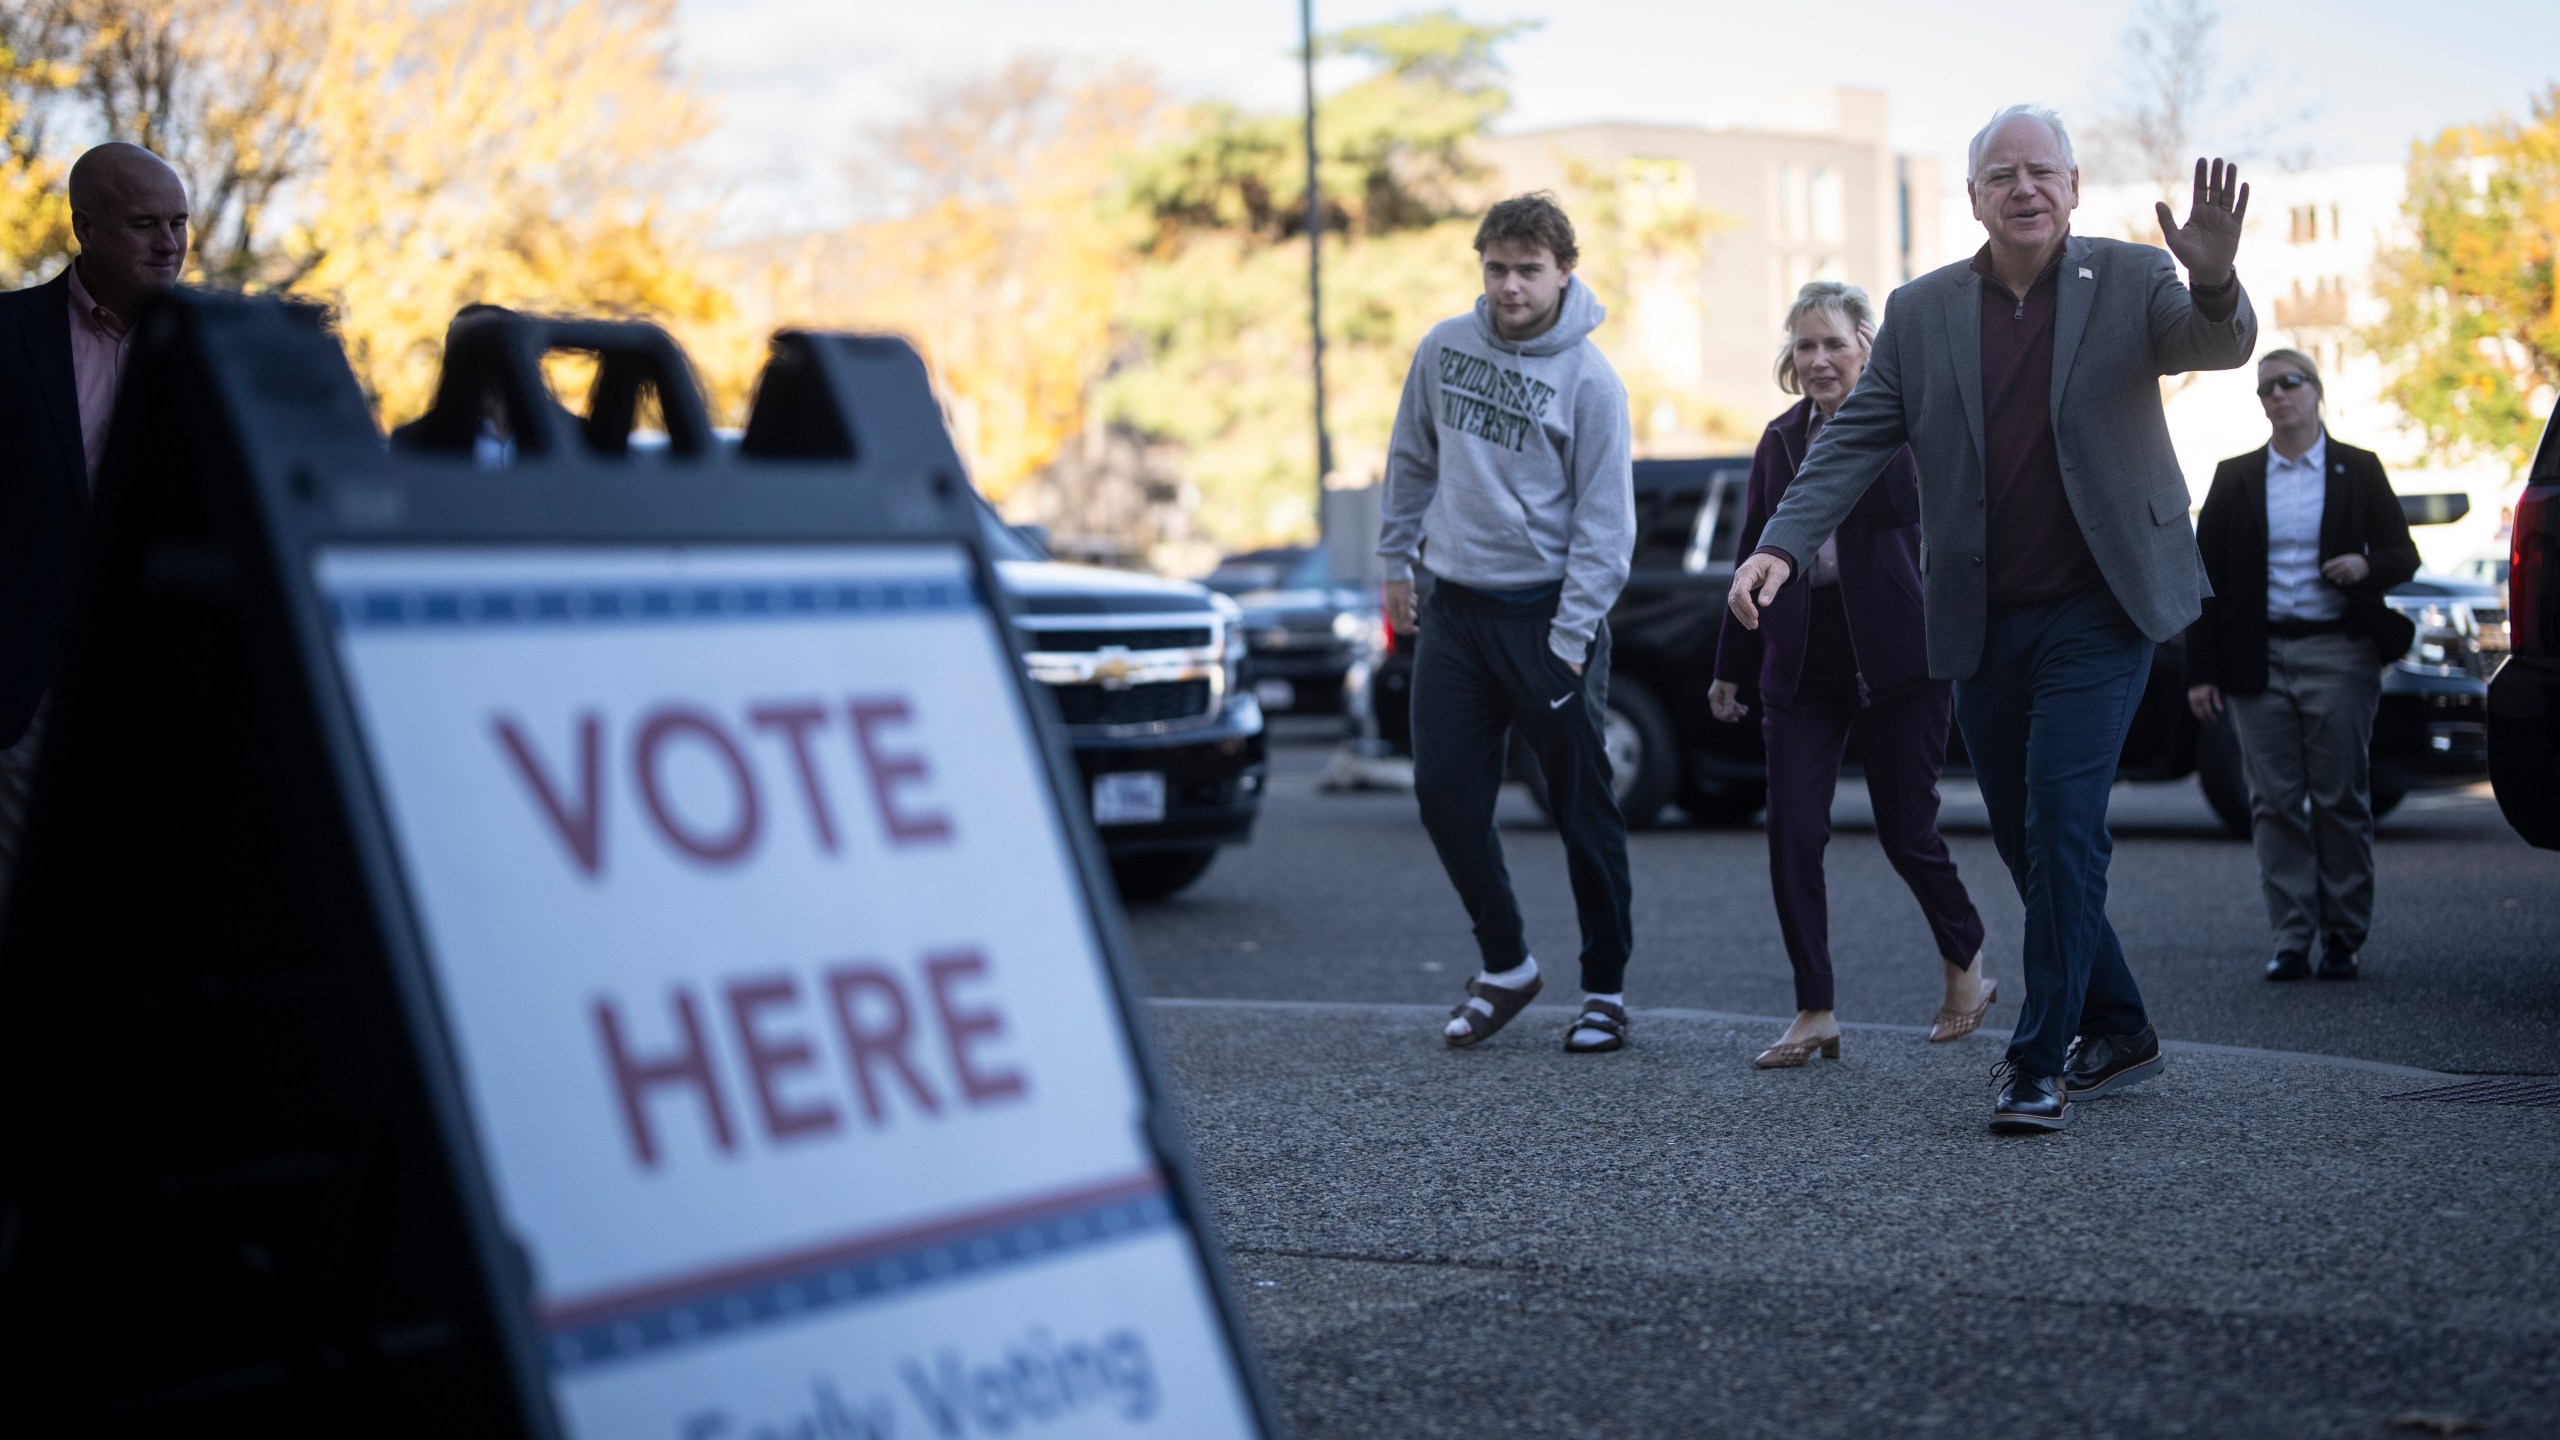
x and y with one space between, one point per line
2028 1104
2337 962
2100 1063
2289 966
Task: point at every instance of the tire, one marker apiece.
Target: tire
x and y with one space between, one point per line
1160 875
2226 786
1644 757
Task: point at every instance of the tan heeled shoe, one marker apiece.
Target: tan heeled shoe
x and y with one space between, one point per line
1788 1054
1957 1024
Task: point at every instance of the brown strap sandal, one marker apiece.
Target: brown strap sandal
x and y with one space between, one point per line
1610 1020
1957 1024
1506 1000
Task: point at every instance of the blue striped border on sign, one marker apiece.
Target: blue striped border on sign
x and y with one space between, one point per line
518 606
586 1334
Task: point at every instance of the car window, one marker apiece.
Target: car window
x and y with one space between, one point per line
1664 521
2546 460
1718 532
1313 573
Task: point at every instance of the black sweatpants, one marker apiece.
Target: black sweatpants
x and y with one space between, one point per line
1483 670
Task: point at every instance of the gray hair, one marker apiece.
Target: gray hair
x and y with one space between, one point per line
1831 297
2041 114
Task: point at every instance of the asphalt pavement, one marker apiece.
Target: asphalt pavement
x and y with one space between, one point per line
2273 1239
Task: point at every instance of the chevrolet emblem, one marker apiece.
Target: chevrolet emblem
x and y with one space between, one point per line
1111 670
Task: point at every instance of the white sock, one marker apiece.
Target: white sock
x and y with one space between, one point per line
1588 1035
1511 979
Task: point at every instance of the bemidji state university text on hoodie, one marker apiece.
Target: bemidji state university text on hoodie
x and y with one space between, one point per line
1509 469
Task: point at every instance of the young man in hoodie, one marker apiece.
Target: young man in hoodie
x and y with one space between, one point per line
1509 479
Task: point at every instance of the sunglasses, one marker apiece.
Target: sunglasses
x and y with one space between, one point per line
2293 380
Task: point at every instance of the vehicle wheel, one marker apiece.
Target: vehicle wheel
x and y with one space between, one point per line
1644 758
1159 875
2226 786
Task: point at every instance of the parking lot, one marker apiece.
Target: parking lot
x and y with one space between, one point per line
2273 1239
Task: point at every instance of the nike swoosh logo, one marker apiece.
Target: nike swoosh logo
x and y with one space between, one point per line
1559 702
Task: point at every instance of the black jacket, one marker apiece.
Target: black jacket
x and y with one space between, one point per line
44 493
2359 515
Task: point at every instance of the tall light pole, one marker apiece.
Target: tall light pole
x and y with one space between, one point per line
1315 251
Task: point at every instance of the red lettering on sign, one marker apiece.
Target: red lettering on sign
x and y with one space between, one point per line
962 1029
656 732
883 1044
768 1057
578 821
891 771
634 1078
795 720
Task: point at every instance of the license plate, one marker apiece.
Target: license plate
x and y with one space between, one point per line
1275 694
1128 797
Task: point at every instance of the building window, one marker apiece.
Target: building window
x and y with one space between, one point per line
2305 226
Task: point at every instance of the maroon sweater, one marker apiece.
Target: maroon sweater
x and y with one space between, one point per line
2034 553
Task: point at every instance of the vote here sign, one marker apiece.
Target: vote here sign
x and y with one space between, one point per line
782 1018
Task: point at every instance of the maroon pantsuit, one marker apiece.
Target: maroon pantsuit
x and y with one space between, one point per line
1830 661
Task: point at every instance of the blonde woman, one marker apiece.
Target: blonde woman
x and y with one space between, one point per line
1846 652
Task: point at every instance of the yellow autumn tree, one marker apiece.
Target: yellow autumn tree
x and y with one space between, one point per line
35 220
501 152
991 245
398 159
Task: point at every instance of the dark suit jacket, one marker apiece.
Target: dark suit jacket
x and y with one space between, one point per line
44 492
1879 577
2359 515
2124 319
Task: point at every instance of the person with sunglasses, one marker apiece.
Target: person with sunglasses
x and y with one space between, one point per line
2301 539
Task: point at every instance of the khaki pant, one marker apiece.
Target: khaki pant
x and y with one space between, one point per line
2306 744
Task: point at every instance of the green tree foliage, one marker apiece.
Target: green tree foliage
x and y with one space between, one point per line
2473 333
1218 321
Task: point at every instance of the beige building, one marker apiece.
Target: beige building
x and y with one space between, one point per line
1823 197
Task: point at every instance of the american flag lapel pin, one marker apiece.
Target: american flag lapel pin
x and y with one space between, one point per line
2088 274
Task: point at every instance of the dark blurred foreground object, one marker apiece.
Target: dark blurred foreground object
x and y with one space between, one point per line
241 1187
2524 699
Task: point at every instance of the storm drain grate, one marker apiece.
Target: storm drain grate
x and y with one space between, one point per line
2542 1092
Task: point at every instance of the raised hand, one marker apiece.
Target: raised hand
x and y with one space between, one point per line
2210 240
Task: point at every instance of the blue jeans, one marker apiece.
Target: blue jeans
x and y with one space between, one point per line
2044 720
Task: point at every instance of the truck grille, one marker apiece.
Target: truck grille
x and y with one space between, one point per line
1077 641
1153 704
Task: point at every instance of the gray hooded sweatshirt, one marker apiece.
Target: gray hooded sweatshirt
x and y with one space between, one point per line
1509 468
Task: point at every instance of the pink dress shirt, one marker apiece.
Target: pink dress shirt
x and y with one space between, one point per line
97 363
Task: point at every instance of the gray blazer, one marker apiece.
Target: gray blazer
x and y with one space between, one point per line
2122 321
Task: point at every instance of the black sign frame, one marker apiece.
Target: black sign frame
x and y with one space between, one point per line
241 446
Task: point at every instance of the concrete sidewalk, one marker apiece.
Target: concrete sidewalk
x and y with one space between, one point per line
1516 1241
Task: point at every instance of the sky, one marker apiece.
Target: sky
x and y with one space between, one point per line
794 82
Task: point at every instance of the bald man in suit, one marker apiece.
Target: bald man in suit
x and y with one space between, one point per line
62 349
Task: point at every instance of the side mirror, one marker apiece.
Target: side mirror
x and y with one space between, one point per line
2435 509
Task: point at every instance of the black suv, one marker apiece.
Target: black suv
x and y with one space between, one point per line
1666 745
1144 673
